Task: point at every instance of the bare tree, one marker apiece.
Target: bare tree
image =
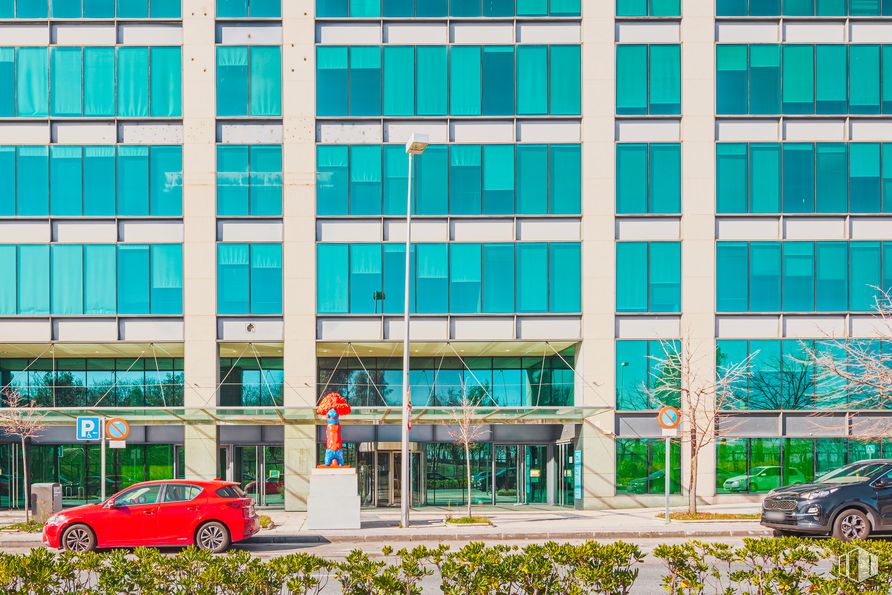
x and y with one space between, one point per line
466 432
19 417
682 377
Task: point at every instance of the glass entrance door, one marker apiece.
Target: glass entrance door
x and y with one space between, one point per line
535 460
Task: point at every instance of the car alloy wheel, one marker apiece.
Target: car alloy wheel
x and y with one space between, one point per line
212 537
853 526
78 539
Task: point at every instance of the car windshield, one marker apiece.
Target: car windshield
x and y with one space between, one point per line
854 473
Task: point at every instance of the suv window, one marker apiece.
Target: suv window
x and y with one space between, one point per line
230 492
139 495
178 492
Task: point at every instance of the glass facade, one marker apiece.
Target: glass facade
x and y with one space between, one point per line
648 8
803 177
640 372
648 79
90 382
251 381
648 178
91 181
648 276
446 8
249 279
803 8
803 79
254 9
91 82
459 278
641 466
758 465
101 279
90 9
439 381
371 180
249 181
466 80
249 81
800 276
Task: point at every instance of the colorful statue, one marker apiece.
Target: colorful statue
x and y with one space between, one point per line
332 406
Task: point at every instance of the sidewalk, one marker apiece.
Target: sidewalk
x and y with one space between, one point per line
526 523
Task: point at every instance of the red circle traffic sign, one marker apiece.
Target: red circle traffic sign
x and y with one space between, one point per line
117 428
669 417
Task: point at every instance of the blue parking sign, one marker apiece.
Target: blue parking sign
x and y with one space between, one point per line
88 428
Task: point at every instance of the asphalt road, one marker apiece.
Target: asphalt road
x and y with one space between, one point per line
648 583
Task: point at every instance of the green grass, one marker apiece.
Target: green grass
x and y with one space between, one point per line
468 520
711 516
29 527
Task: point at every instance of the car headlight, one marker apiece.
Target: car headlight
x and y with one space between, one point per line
816 494
54 520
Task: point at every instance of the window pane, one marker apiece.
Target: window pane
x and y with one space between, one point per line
166 181
731 279
731 176
831 81
565 79
665 79
498 277
431 194
631 181
399 81
233 279
365 180
431 89
665 277
464 81
8 292
133 279
864 276
266 279
799 178
631 79
732 81
465 277
498 179
266 180
166 78
631 375
532 179
365 278
396 179
67 93
765 178
365 8
532 86
799 79
332 274
7 181
99 8
232 180
631 8
331 81
799 282
465 171
133 9
266 81
432 279
864 177
532 277
831 276
565 277
664 178
832 179
565 177
34 279
99 81
99 181
133 82
31 82
765 79
365 81
239 8
394 283
68 276
32 196
99 279
631 277
66 183
133 181
7 81
765 277
887 77
864 79
265 8
665 8
498 80
167 279
331 180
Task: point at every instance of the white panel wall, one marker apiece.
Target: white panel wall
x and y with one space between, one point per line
548 32
548 132
150 133
481 33
348 33
249 231
249 34
350 230
80 330
643 131
238 133
655 229
150 329
85 232
20 34
150 34
480 230
654 32
544 230
482 132
647 327
814 32
157 232
84 133
748 130
416 33
25 232
80 34
343 133
25 133
550 328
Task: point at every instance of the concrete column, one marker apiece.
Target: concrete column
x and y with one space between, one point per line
200 229
595 381
299 250
698 207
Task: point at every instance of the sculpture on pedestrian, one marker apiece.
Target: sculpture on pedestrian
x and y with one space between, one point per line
333 406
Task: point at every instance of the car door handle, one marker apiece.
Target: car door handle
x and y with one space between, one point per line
192 508
148 512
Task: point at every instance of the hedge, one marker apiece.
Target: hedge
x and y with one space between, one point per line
760 566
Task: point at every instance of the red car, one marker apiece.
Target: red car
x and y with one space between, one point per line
209 514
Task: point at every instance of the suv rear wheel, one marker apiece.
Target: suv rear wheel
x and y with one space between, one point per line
851 525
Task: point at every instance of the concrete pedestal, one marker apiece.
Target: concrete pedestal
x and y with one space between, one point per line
334 499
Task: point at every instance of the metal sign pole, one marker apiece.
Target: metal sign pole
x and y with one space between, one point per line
666 474
102 460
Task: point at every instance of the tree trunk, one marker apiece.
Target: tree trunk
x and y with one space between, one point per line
692 482
25 480
468 469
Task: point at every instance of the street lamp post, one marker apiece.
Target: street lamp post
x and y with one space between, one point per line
415 146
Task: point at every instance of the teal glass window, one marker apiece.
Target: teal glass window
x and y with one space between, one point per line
864 79
99 82
249 81
133 279
831 192
731 177
133 181
532 277
465 179
564 280
648 178
31 82
34 279
399 81
648 8
7 181
765 269
66 69
865 263
248 8
465 278
498 179
7 81
100 264
331 81
32 173
765 79
799 178
831 276
498 278
639 369
798 79
864 177
565 84
648 276
365 278
365 81
430 196
365 180
332 185
249 180
396 179
798 278
66 180
532 87
332 279
249 278
640 466
165 82
565 180
166 285
431 76
431 278
648 79
533 180
454 8
133 81
732 80
465 84
831 93
67 279
732 289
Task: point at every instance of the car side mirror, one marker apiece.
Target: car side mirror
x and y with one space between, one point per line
883 483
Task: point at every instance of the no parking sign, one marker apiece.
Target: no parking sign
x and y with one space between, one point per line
117 429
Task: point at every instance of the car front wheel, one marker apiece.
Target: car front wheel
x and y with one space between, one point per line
78 538
851 525
213 536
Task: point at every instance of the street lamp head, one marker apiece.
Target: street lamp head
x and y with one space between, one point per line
416 144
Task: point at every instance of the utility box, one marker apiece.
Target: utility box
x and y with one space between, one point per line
46 500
